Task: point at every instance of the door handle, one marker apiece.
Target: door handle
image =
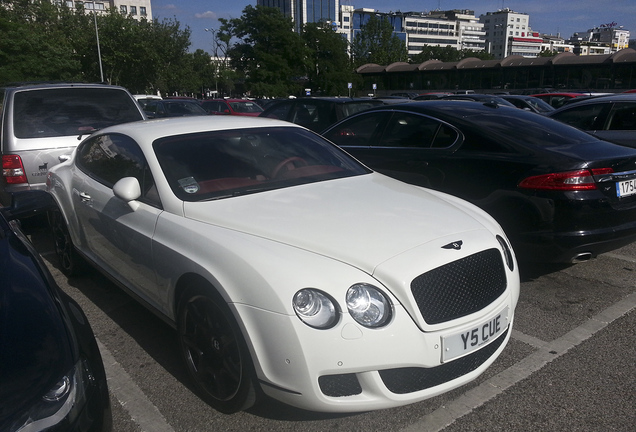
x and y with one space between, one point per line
85 197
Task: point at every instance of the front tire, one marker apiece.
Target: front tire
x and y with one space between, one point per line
215 352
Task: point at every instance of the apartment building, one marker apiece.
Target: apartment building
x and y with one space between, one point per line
136 8
458 28
509 33
604 39
306 11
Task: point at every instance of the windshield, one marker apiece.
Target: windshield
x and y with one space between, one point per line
58 112
246 107
227 163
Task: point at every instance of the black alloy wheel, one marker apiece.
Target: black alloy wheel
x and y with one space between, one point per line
215 353
71 263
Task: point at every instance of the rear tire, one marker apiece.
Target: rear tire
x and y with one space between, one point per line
215 352
70 262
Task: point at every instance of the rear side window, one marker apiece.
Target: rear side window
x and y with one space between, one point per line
582 117
414 130
45 113
358 131
623 117
279 111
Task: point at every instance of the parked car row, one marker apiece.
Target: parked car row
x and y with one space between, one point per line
336 231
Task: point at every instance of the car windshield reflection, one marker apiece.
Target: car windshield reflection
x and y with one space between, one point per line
222 164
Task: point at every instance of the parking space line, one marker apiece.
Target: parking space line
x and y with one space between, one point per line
620 257
143 412
446 415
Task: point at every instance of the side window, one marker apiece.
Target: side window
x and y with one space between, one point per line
212 106
280 111
358 131
582 117
305 114
446 136
409 130
109 158
151 107
623 117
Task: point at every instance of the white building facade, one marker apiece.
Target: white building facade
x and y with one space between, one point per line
509 33
138 9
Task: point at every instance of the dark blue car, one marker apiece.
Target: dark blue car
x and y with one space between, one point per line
51 373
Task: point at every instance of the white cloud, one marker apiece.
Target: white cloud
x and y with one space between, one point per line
205 15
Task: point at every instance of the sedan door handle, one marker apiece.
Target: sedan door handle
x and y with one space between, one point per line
85 197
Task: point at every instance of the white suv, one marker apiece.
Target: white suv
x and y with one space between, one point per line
41 124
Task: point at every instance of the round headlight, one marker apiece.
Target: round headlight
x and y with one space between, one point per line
368 305
315 309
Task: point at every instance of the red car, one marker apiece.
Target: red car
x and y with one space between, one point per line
240 107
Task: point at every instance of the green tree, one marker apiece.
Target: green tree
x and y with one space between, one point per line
448 54
548 53
376 43
329 66
33 46
269 56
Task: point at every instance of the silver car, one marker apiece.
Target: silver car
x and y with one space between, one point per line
611 118
42 123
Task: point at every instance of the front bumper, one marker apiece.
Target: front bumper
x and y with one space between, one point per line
350 368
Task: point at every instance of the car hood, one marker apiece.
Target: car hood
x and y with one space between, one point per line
364 220
35 349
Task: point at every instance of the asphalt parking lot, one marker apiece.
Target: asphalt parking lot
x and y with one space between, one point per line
570 365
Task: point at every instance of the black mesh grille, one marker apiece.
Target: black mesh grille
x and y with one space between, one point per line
460 288
340 385
408 380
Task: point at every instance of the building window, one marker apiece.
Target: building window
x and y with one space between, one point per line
133 10
346 19
142 11
123 9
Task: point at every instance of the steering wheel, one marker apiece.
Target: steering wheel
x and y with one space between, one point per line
290 163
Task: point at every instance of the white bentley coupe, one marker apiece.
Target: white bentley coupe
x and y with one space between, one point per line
284 264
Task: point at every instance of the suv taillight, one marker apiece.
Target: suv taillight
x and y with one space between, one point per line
13 170
565 181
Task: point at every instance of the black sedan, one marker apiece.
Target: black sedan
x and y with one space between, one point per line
316 113
612 118
529 103
561 194
173 108
51 373
478 97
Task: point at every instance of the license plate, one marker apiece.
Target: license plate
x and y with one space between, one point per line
626 188
467 341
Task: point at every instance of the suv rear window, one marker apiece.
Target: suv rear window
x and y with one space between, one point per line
69 111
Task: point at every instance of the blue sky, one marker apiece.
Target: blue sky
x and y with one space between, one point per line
546 16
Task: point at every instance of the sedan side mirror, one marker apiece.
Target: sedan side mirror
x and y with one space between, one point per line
128 190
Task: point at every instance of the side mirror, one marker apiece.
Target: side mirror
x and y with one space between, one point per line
129 191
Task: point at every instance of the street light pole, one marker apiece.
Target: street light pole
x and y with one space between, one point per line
216 60
99 51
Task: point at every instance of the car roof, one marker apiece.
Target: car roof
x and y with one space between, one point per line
334 99
50 85
573 94
150 130
619 97
447 109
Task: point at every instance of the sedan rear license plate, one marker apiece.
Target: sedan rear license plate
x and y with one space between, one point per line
467 341
626 188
